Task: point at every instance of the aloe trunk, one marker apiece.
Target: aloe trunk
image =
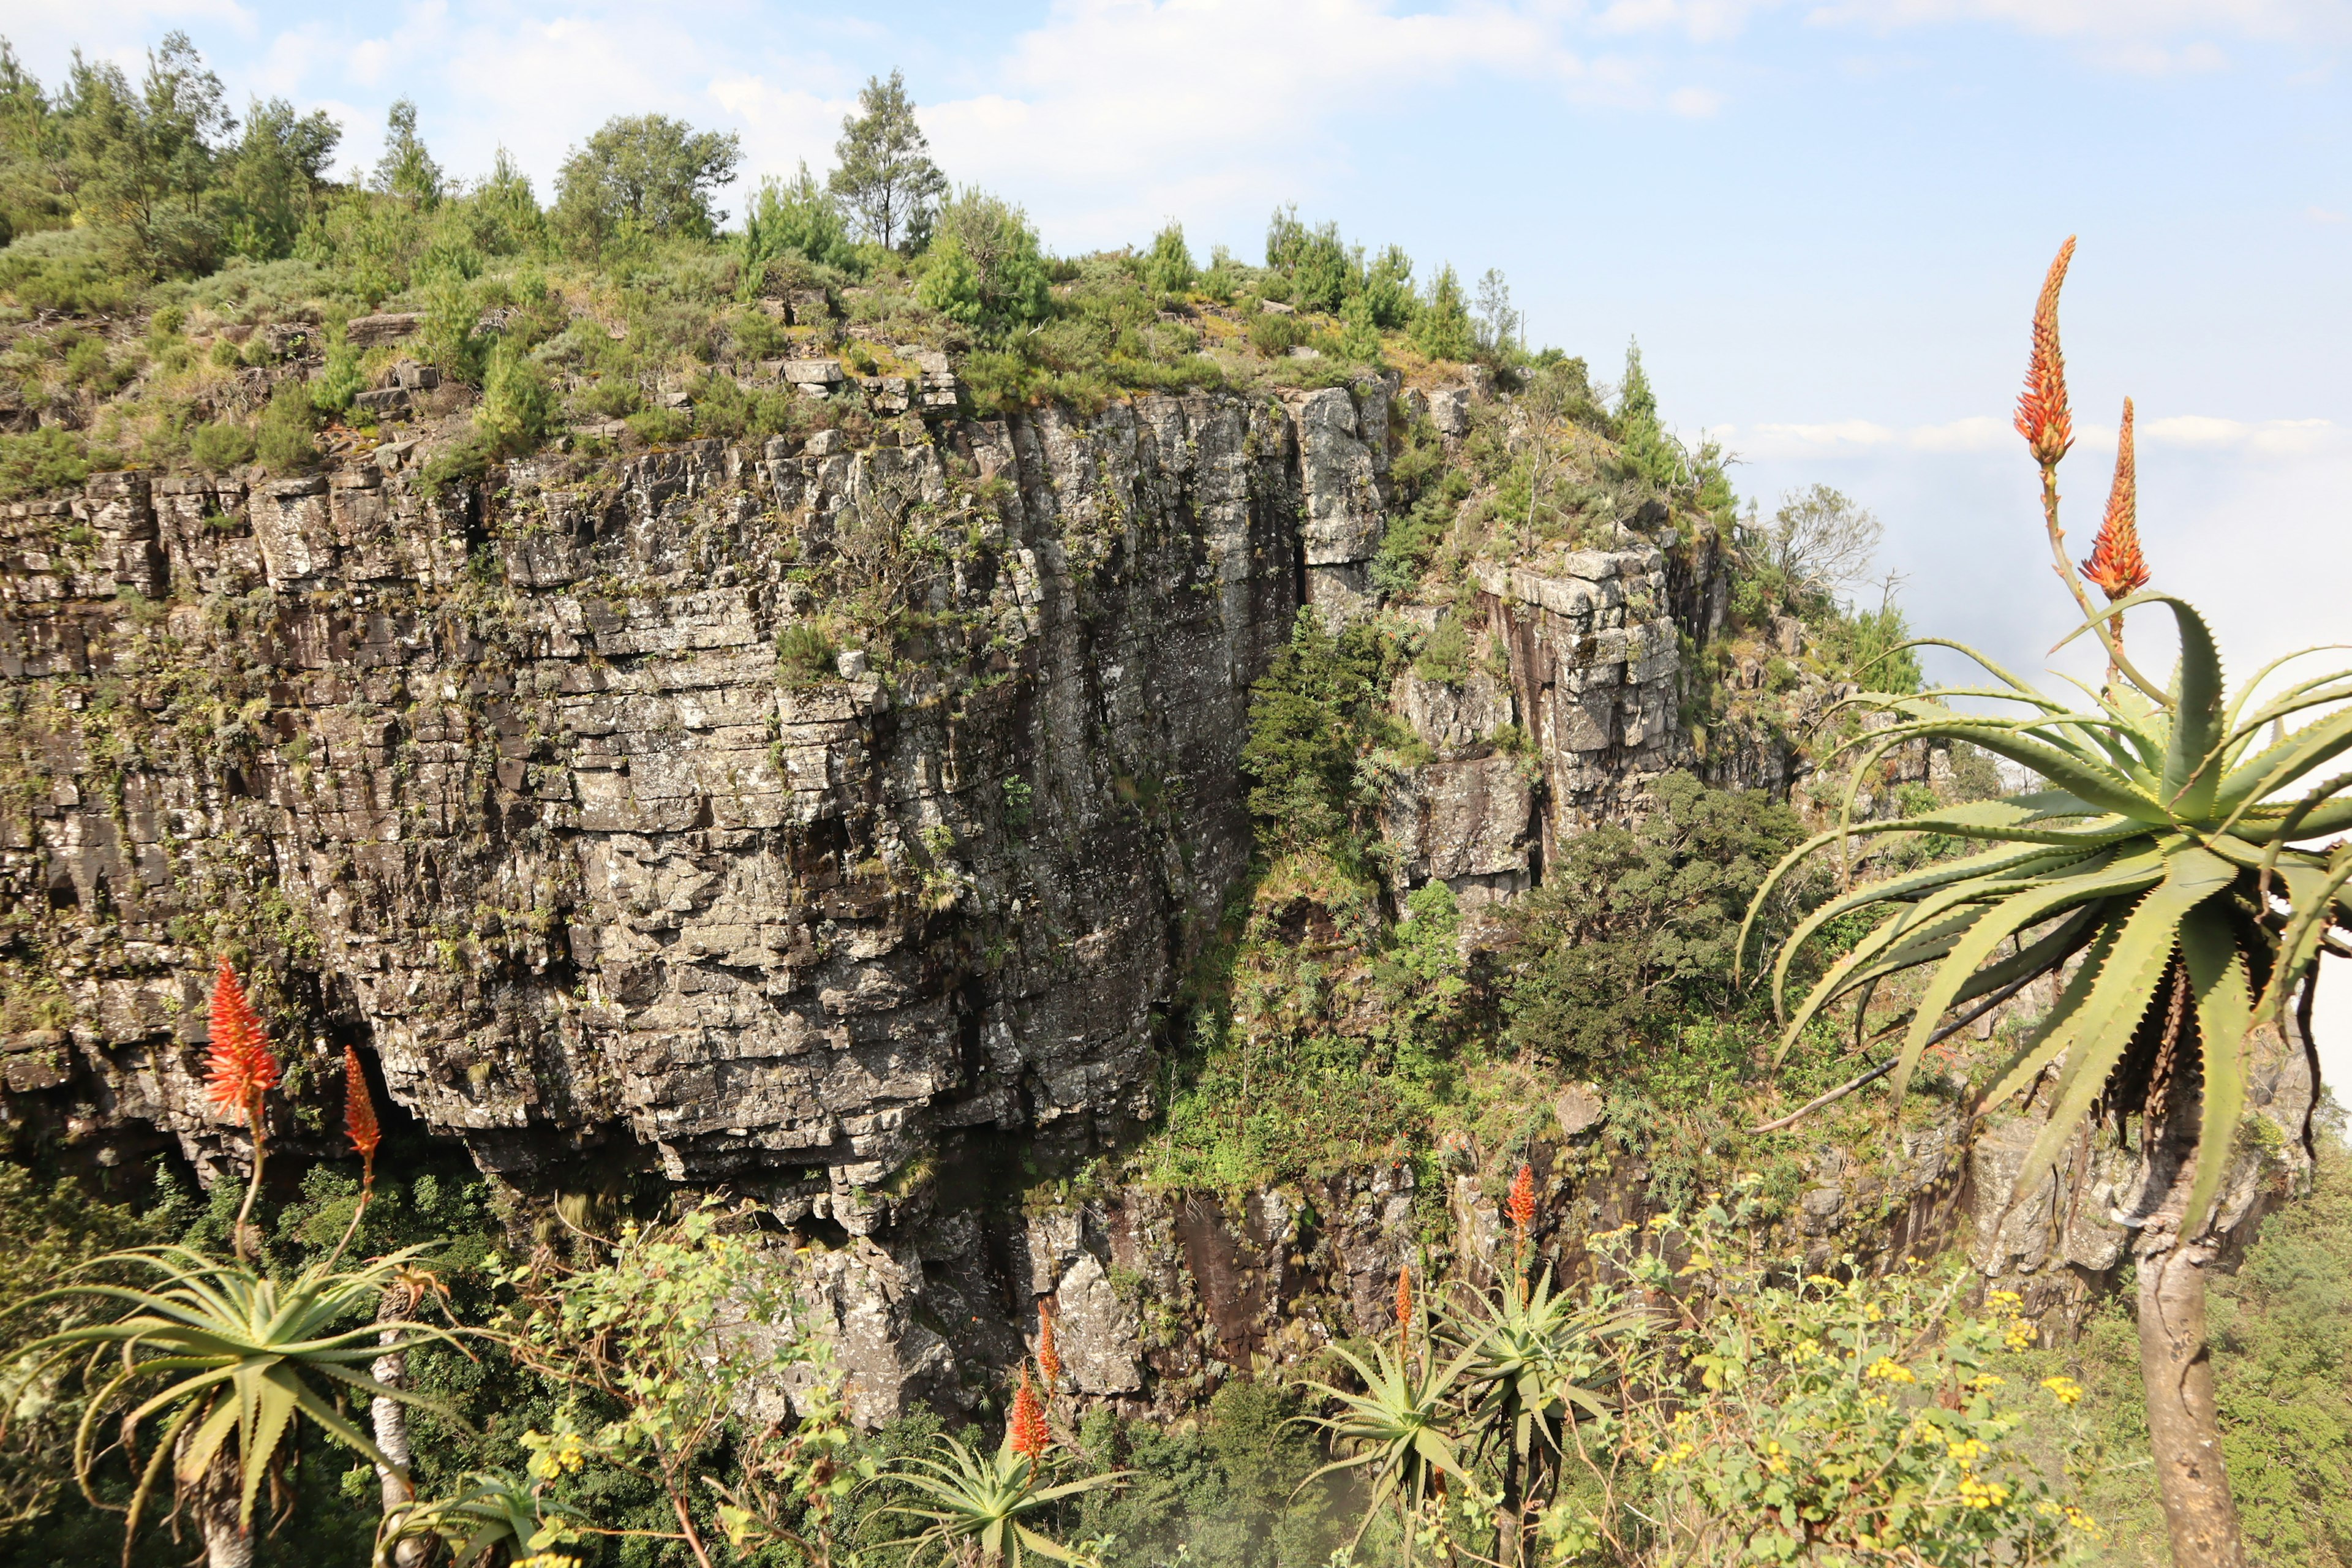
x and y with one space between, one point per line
213 1500
2183 1422
390 1418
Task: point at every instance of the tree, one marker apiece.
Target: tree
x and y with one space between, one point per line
2172 851
1167 267
885 173
644 175
139 164
1498 324
1820 542
1646 451
795 218
31 198
1636 926
1321 270
1388 289
984 266
1442 329
407 170
275 179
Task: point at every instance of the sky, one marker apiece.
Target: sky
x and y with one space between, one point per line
1824 220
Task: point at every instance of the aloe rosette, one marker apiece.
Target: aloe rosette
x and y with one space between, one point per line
2177 841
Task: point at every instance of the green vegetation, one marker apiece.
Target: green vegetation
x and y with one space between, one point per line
1633 930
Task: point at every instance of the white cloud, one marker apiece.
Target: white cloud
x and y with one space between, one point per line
2269 437
2268 20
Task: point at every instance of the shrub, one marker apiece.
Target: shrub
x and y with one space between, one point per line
1312 715
40 462
1274 333
1442 328
283 441
1634 926
220 444
984 267
1167 267
68 269
805 656
517 406
663 426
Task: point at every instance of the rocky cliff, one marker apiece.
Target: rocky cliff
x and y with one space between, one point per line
835 824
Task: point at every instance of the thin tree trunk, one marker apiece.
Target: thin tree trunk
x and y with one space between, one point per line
390 1418
2183 1420
214 1503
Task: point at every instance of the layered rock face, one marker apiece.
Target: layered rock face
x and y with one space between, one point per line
512 789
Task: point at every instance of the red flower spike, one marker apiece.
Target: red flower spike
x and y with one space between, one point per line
2117 564
1521 1204
1049 1360
240 1069
2042 414
359 1109
1028 1430
1404 1297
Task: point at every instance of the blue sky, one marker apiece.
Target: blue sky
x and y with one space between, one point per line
1825 220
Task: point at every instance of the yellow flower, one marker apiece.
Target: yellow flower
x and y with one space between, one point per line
1984 1381
1888 1370
2005 1301
2084 1522
1776 1458
2020 1334
1968 1451
1870 1311
1680 1452
2065 1390
1983 1494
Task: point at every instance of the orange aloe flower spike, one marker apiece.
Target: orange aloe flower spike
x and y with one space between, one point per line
1521 1204
358 1109
240 1068
2042 414
1029 1433
2117 564
1049 1360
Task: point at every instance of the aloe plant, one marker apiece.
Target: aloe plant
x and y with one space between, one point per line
1398 1429
491 1509
221 1360
2169 875
985 1503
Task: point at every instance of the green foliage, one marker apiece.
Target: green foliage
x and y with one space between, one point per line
70 270
1841 1417
644 1343
238 1353
643 177
1232 1488
884 174
1313 714
799 218
407 169
45 1234
220 444
283 440
805 656
984 267
1646 451
275 180
340 379
1319 270
518 407
982 1505
1442 330
37 462
1634 928
1168 266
